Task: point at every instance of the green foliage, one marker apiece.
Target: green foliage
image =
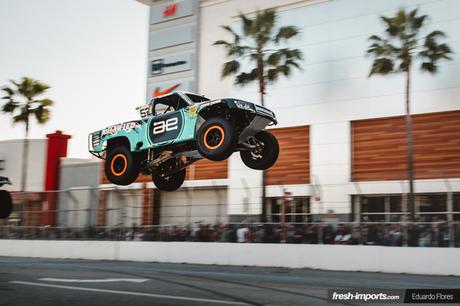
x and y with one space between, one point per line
397 51
22 101
259 44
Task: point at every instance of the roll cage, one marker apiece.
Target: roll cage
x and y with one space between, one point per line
168 103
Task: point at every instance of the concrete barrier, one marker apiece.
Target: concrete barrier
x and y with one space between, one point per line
433 261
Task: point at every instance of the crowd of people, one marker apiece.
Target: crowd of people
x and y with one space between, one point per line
439 234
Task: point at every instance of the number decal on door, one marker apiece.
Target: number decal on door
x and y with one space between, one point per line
160 127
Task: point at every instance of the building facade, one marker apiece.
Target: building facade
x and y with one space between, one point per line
341 133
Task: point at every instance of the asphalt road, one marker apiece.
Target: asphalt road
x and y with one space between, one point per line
30 281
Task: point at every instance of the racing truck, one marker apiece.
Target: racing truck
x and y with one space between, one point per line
6 203
180 128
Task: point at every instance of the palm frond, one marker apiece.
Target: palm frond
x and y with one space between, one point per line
245 78
259 35
429 67
274 59
230 67
221 42
8 91
286 33
21 117
10 107
248 25
382 65
45 102
42 114
265 20
236 37
22 100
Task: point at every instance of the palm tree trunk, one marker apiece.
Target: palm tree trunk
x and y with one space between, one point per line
25 155
410 150
260 69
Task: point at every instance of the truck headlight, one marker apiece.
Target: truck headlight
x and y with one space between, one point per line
242 104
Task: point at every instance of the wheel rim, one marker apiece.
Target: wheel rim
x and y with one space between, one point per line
213 137
119 164
257 153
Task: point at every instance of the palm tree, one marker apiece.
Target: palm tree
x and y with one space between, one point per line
258 47
397 52
22 102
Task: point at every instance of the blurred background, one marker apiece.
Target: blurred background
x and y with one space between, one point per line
342 173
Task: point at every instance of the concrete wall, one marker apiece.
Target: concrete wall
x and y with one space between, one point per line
434 261
11 151
194 206
78 205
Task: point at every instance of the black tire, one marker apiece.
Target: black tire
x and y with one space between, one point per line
171 182
216 139
267 154
122 166
6 204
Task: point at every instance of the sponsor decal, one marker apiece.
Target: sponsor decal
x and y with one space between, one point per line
145 110
170 10
162 126
206 104
126 127
192 111
158 92
165 128
158 65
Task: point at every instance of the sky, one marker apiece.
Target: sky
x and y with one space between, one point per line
93 54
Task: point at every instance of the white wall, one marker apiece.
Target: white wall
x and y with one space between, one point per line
200 205
333 87
12 151
434 261
124 207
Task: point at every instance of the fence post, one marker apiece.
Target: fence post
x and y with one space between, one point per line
219 202
450 218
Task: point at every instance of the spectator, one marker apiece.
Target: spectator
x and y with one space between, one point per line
242 234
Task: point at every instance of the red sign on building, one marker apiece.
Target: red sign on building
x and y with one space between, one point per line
170 10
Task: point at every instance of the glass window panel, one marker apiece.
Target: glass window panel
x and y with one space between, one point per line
373 218
395 203
372 204
457 202
432 202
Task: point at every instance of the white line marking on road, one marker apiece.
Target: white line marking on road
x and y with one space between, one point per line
161 296
103 280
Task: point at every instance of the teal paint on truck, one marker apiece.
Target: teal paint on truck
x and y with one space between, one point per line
156 131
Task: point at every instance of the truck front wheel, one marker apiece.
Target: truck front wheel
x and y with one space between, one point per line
264 152
122 166
216 139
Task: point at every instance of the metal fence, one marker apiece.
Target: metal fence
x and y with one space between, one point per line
204 215
441 234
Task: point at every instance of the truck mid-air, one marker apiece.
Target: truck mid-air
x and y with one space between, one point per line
179 128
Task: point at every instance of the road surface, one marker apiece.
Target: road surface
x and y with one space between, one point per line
30 281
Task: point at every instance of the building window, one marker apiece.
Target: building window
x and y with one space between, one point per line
296 210
389 208
431 207
456 206
381 208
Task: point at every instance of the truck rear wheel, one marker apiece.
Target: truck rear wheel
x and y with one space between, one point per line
6 204
216 139
122 166
264 154
171 182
